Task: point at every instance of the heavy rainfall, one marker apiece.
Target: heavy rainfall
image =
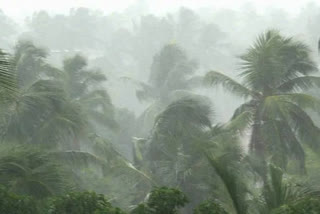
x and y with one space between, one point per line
159 107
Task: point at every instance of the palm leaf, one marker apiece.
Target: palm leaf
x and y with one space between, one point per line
215 78
229 175
299 83
7 76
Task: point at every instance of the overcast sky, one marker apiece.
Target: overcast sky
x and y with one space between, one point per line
21 8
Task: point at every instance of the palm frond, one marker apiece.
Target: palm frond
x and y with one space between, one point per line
303 124
30 171
241 122
215 78
229 173
304 101
7 76
188 110
299 83
145 92
275 60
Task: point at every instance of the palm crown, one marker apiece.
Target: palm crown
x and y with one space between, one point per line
275 71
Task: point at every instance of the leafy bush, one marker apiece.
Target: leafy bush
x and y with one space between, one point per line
142 209
82 203
14 204
304 206
209 207
162 200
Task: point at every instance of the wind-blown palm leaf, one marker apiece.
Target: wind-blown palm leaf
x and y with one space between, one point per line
192 110
278 191
307 131
304 101
284 141
291 127
247 106
215 78
105 157
29 171
227 169
7 76
300 83
278 107
241 122
42 114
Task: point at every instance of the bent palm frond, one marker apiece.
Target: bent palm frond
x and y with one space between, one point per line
299 83
7 76
215 78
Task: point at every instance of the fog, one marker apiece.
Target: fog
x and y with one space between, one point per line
217 101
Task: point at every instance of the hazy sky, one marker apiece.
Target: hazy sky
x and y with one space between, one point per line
20 8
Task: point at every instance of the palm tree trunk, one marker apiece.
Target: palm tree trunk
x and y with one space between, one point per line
257 147
256 142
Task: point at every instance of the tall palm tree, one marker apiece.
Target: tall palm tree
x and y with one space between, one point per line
55 106
171 77
83 86
274 72
30 63
41 114
175 152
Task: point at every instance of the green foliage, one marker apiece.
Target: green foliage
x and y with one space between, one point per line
29 61
171 77
209 207
142 209
7 76
69 107
162 200
14 204
29 171
166 200
274 72
82 203
228 167
304 206
41 114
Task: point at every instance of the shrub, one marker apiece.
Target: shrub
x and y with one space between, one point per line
14 204
162 200
304 206
82 203
209 207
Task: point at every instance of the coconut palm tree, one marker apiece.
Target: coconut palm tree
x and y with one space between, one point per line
30 171
29 62
175 152
234 175
171 77
84 87
55 106
41 114
274 72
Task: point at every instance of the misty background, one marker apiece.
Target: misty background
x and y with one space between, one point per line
126 41
121 37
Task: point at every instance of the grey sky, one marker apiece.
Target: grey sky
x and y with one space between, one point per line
21 8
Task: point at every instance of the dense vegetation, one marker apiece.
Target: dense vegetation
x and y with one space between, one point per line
66 148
